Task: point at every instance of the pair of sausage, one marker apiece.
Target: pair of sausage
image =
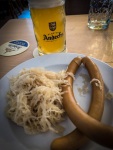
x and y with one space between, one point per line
87 125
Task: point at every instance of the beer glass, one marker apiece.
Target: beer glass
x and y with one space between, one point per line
48 17
99 14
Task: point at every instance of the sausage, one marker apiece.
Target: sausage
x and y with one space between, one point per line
76 139
97 131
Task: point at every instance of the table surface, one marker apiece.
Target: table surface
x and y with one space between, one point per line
79 39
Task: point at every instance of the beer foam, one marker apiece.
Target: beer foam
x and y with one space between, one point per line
45 3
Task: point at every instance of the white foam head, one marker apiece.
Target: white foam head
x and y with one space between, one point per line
45 3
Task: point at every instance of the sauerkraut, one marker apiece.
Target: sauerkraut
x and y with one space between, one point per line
97 83
109 95
35 100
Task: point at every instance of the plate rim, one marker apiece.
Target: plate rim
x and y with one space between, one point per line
58 55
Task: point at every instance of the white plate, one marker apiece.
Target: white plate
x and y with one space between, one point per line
14 137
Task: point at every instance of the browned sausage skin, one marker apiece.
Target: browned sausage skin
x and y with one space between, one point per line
76 139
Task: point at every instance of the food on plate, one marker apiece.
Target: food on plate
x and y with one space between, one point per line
84 89
109 95
93 129
76 139
35 100
25 103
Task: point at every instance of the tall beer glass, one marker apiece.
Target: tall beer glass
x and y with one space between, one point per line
48 17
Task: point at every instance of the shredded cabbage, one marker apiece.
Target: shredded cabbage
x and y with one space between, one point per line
97 83
35 100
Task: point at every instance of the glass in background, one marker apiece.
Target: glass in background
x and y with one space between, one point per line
99 14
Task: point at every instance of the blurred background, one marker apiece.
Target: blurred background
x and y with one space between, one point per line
11 9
